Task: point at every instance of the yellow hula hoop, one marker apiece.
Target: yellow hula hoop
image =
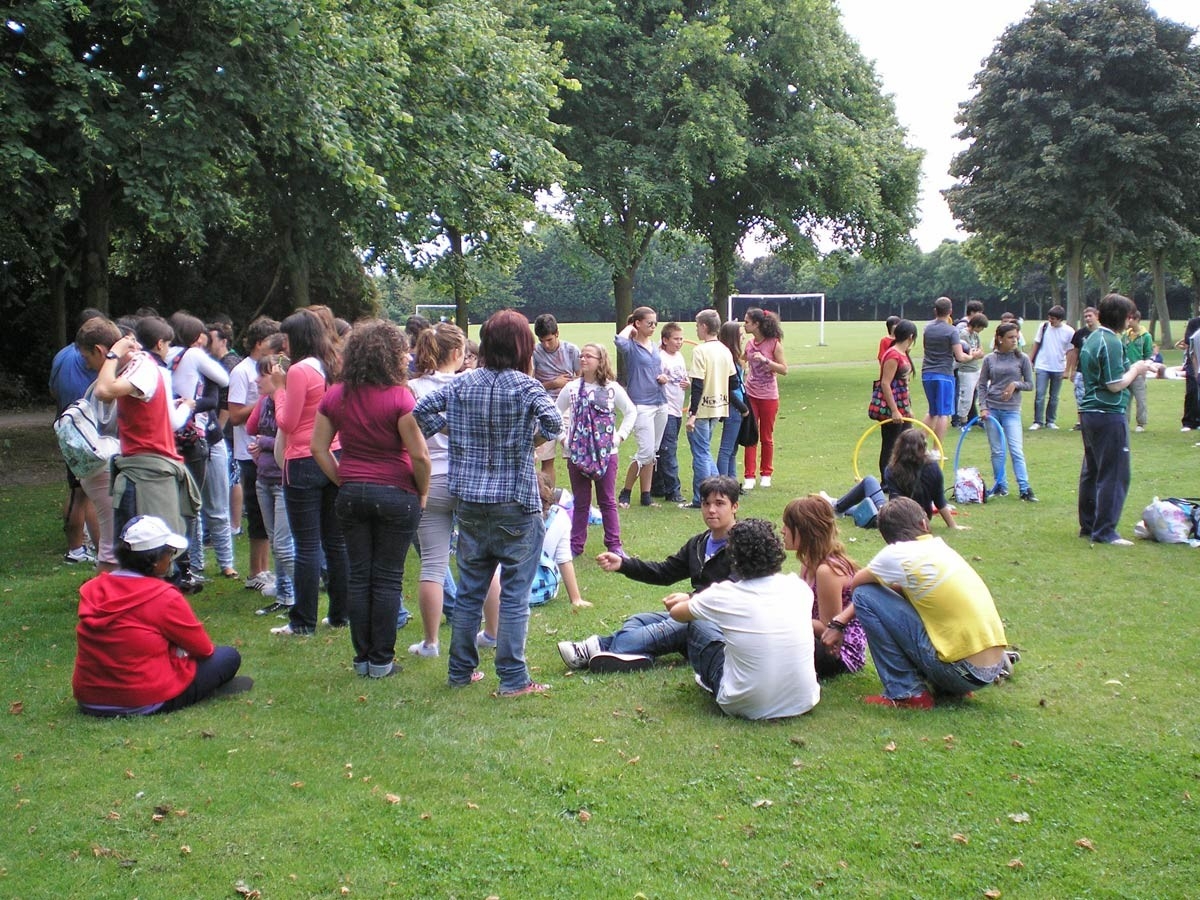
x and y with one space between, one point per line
930 431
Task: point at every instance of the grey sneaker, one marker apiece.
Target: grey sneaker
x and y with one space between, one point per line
619 662
576 654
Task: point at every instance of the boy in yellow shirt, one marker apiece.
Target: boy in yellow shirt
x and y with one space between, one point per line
929 618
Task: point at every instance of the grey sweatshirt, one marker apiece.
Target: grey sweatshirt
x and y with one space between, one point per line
998 372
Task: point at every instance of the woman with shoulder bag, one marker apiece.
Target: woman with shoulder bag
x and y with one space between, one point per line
890 403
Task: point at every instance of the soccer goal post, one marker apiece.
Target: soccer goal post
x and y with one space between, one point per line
437 317
739 303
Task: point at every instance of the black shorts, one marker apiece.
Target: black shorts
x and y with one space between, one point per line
256 529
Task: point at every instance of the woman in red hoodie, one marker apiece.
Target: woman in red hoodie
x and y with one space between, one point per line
141 649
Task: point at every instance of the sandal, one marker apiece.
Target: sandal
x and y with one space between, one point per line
230 573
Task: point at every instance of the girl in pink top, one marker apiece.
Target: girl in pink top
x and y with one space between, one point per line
383 476
765 363
308 492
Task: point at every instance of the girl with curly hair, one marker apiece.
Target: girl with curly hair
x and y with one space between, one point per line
382 477
765 365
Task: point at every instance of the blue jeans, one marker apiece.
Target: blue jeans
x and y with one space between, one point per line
214 511
379 522
728 453
666 469
706 653
1104 476
903 654
1010 421
1042 379
868 487
700 440
490 535
311 498
272 510
647 634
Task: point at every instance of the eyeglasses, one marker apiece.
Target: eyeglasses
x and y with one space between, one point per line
588 356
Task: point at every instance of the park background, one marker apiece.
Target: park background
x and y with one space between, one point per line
1074 779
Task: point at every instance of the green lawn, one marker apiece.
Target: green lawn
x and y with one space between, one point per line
1073 780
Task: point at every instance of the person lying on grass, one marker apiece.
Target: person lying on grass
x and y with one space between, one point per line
931 623
702 559
750 641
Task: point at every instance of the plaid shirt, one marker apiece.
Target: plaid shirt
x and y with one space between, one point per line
490 418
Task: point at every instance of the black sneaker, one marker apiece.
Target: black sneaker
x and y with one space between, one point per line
998 490
1028 496
692 505
272 608
676 498
623 499
619 662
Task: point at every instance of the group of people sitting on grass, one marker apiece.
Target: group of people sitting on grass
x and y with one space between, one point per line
758 640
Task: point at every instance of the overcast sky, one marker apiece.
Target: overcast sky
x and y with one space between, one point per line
926 52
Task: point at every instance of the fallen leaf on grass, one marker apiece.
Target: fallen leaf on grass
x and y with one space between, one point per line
16 708
1020 818
797 740
246 891
1015 864
960 838
392 798
1113 681
425 817
992 894
113 815
1017 744
633 761
185 850
398 734
760 804
1085 844
345 890
472 805
584 816
129 773
889 747
598 740
297 784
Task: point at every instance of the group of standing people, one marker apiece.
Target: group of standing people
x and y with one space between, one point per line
1107 359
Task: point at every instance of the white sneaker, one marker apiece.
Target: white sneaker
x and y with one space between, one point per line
824 496
423 649
1052 426
78 555
765 481
1140 429
1034 427
1185 428
484 640
577 654
748 484
259 581
286 631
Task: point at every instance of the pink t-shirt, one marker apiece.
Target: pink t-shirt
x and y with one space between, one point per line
296 406
365 419
761 383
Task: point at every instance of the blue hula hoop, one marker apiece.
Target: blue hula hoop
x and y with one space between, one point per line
982 423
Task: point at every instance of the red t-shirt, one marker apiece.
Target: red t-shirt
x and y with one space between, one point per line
365 421
144 417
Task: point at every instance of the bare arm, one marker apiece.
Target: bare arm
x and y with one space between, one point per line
418 452
322 439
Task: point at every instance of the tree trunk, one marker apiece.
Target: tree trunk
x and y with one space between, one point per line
724 257
96 202
623 294
1158 272
1074 280
58 305
1101 267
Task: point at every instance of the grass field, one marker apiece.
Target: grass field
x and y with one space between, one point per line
1076 779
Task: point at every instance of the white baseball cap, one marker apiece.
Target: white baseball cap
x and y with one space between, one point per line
151 533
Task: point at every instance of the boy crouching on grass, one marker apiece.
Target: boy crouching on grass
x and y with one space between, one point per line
930 620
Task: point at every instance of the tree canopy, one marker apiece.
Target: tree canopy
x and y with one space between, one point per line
1084 134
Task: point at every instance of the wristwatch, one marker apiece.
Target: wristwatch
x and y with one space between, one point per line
111 355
